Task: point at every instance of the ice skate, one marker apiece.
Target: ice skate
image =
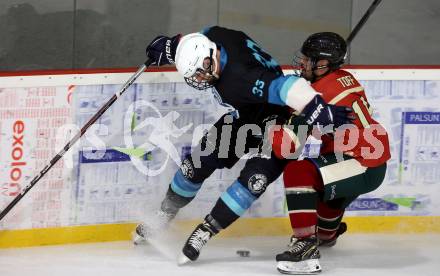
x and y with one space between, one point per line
198 238
152 227
300 258
331 242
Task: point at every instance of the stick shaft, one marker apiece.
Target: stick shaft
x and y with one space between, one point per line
364 19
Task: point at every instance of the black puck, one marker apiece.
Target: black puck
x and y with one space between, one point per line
243 253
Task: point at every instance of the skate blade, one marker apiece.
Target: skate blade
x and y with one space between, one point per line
182 259
311 266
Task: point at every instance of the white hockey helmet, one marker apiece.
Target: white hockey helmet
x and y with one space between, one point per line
191 53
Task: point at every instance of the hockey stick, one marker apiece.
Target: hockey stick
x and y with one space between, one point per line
75 138
361 22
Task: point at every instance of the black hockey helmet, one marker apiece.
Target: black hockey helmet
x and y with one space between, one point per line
325 45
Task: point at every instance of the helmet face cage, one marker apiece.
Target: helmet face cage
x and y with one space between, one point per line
199 85
204 83
298 63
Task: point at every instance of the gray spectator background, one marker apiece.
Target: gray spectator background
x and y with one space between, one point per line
77 34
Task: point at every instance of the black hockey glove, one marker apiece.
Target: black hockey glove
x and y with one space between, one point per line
162 49
319 113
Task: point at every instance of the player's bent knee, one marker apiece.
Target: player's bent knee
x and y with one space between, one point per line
193 173
184 186
187 168
256 183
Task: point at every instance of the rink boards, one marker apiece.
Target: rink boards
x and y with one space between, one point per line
244 227
97 192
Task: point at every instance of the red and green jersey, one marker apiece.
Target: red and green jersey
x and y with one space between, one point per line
366 140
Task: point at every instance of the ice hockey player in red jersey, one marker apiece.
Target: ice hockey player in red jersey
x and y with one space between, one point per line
350 162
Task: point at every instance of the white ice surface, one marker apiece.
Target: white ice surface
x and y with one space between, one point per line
353 255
